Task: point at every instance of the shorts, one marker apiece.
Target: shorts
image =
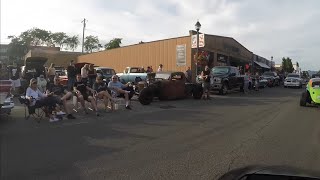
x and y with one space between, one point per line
16 83
85 96
206 86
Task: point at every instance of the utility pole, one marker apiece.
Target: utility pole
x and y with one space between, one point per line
84 26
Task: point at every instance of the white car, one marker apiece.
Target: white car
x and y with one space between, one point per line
293 80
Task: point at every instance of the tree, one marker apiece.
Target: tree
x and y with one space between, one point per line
16 48
287 65
59 38
305 74
112 44
72 42
91 43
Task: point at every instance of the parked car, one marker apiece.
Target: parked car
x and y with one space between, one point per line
293 80
132 74
6 103
226 78
106 73
262 82
168 86
312 93
272 78
33 68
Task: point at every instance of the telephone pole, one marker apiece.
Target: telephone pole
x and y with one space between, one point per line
84 26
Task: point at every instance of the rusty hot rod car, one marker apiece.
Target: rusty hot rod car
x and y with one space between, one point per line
168 86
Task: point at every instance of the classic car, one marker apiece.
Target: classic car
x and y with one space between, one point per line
312 93
131 74
169 86
293 80
105 72
6 103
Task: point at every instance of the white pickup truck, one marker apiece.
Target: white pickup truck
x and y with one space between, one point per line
130 74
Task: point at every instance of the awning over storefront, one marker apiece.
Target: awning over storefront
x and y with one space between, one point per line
262 65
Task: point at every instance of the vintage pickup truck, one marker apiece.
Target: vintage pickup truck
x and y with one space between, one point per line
132 74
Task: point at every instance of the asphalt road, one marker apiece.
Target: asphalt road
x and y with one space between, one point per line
185 139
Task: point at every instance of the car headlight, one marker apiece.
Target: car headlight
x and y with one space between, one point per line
217 80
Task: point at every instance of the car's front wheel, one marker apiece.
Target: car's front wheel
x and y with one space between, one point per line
224 89
146 96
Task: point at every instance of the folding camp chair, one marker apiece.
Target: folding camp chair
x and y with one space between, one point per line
37 113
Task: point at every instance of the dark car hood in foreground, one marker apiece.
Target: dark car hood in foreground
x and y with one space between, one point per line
269 170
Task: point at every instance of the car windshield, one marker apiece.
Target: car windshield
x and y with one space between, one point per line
316 84
135 70
162 76
293 75
268 74
108 71
220 70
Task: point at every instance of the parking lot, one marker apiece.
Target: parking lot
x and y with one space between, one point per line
182 139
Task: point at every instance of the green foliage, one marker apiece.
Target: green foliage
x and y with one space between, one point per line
91 44
59 38
287 65
112 44
72 42
305 74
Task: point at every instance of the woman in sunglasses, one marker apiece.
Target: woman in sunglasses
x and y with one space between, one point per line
38 99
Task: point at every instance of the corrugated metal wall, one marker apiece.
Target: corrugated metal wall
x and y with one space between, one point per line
146 54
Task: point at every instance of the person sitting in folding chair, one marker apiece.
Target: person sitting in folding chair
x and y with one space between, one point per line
121 90
81 88
38 99
62 95
102 91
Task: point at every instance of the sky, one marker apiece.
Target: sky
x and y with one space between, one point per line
278 28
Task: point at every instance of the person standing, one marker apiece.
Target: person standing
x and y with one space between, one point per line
92 74
189 74
42 83
84 73
160 68
72 72
51 73
205 75
15 79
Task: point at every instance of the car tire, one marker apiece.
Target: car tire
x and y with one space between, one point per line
303 99
224 89
146 96
285 86
197 92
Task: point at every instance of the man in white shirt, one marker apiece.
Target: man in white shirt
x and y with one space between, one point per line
117 87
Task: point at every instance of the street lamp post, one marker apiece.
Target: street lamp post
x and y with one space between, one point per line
271 63
197 26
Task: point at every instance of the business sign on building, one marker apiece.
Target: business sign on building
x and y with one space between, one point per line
181 55
194 41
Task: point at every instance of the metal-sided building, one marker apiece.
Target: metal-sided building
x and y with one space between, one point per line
175 54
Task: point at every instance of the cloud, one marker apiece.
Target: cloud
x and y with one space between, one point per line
266 27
